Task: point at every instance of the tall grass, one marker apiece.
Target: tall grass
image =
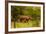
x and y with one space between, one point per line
25 25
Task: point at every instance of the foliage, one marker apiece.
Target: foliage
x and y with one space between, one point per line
25 10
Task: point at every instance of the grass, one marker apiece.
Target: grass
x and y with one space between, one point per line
25 25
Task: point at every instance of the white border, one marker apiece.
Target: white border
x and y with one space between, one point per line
23 29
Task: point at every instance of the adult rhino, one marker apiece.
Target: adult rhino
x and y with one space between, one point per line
25 18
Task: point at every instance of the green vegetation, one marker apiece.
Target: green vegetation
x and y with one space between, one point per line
32 11
25 25
29 24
